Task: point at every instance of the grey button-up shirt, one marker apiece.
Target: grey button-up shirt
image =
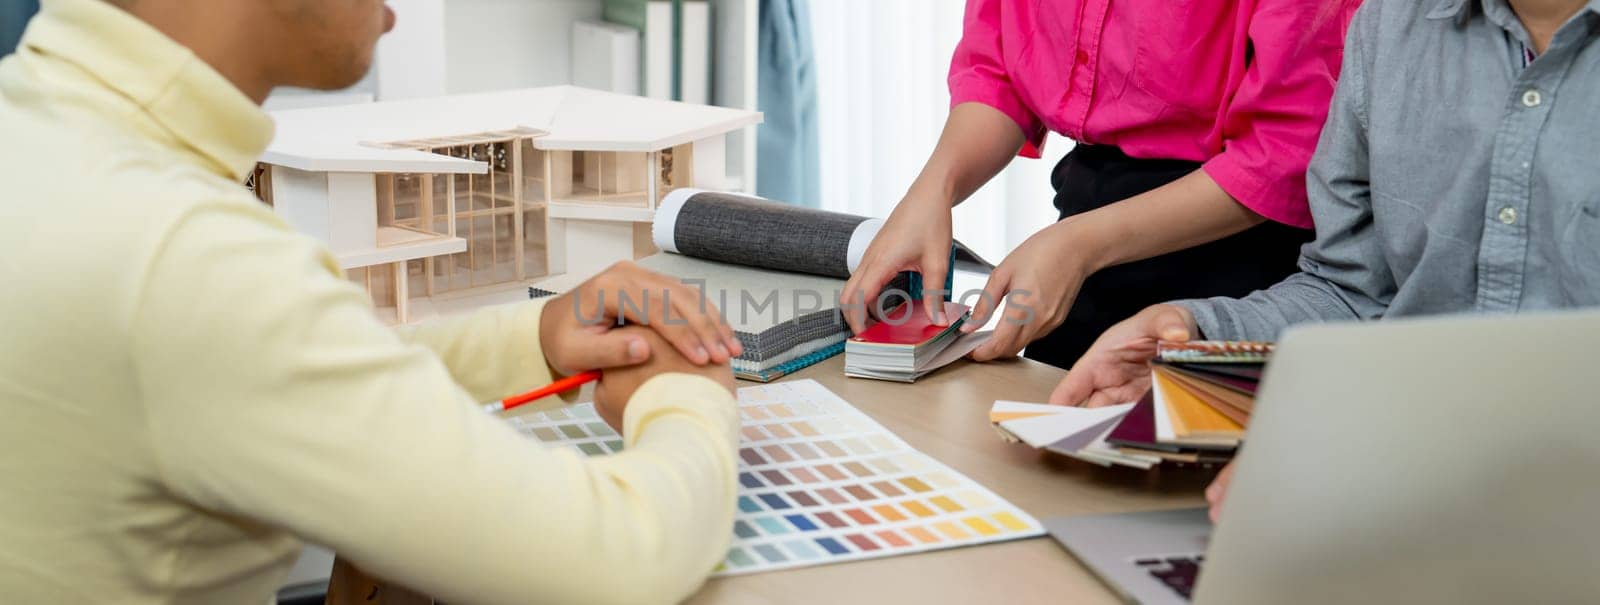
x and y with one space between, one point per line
1449 178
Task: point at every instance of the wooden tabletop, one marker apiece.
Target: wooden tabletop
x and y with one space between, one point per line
946 415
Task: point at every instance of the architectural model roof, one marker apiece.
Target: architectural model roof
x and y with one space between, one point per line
348 138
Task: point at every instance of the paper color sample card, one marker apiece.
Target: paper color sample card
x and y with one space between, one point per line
820 482
1041 425
1071 431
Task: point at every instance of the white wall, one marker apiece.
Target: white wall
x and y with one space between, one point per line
734 58
500 44
458 46
411 58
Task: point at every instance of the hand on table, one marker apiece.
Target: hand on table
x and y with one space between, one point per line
916 237
1114 369
1038 283
578 330
617 384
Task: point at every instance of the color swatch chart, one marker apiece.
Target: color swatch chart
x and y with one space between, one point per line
820 482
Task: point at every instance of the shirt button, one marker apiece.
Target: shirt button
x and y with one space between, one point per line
1508 215
1532 98
1082 57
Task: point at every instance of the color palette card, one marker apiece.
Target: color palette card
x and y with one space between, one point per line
820 482
1071 431
1040 425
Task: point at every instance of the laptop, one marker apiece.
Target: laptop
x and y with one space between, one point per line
1443 460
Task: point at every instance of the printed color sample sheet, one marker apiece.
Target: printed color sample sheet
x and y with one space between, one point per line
820 482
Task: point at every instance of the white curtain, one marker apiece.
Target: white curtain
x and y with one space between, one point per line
881 67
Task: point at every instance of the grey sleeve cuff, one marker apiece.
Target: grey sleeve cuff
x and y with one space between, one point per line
1205 317
1264 314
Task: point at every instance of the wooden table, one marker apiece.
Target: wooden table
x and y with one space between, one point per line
945 415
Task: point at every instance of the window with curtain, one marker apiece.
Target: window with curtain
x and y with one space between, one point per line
882 100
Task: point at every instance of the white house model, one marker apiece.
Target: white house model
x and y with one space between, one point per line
465 193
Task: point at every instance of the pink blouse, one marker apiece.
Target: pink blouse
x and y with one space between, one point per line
1241 85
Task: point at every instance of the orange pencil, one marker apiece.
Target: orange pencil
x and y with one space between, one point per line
560 386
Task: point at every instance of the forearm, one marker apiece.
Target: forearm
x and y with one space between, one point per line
653 520
372 460
493 352
1345 274
1264 314
1190 211
441 499
312 418
978 142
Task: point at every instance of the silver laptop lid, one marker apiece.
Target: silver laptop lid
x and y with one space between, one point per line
1442 460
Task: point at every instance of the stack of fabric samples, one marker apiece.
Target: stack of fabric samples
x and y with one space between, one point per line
905 345
774 270
785 321
1199 403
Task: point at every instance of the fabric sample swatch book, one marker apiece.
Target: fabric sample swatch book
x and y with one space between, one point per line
785 321
905 345
774 270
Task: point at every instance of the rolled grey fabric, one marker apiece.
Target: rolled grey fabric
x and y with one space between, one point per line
752 231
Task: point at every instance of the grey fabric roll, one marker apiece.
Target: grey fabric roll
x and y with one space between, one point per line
750 231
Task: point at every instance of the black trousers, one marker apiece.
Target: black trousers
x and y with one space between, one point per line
1092 176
